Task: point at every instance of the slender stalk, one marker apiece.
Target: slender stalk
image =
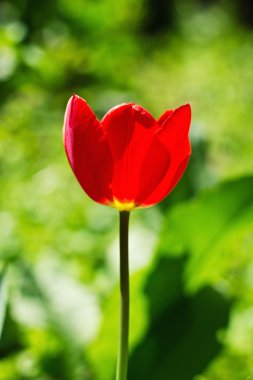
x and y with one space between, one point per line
124 294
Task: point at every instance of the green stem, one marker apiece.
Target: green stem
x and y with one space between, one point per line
124 300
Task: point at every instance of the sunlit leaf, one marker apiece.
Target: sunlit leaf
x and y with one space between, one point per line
215 229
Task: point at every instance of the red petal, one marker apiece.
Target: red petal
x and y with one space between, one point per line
130 129
88 150
174 137
164 116
154 167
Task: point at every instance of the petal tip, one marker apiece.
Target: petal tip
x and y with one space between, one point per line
185 112
185 107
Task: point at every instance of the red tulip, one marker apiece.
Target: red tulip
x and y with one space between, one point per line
128 159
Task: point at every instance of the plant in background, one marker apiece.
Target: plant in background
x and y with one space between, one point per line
127 160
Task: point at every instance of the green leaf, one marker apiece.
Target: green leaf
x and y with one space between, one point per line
181 338
215 229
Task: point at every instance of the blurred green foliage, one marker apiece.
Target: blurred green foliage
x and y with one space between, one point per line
191 256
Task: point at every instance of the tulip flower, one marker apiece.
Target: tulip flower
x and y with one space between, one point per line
127 160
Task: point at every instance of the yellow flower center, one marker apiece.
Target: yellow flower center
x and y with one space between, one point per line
123 206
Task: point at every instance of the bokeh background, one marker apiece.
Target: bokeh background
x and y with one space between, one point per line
191 255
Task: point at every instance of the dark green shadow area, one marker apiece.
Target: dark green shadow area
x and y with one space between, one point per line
182 337
10 343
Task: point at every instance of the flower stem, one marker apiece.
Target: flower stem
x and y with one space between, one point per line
124 294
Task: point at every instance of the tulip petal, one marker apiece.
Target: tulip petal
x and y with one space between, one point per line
174 137
87 149
130 130
154 167
164 117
